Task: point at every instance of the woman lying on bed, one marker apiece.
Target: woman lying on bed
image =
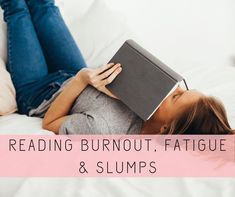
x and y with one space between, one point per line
52 81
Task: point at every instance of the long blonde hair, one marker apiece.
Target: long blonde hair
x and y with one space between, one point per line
205 117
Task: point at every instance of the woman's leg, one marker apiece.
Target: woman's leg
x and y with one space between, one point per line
26 61
59 47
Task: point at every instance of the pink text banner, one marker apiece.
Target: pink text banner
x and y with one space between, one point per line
117 156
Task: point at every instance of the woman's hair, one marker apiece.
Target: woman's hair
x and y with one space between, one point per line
205 117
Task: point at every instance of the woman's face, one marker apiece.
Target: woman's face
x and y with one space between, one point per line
176 103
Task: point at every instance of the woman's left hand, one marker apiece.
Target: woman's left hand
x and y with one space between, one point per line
101 76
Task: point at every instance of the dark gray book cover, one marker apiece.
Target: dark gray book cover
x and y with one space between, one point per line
144 81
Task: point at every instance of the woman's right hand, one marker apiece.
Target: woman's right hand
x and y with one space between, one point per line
101 76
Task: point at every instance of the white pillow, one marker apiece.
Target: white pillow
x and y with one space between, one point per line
73 10
3 39
7 90
216 81
99 33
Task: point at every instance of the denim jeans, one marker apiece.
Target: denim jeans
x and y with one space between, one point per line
42 53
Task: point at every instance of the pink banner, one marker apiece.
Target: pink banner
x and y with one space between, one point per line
117 156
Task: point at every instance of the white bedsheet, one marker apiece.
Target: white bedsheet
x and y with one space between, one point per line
204 69
21 124
116 187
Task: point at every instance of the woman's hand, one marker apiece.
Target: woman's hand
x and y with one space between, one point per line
101 76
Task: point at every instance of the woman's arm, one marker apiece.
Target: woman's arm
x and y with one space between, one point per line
57 113
98 78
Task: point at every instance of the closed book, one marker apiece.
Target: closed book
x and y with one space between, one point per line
144 82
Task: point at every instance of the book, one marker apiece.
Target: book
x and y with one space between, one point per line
145 82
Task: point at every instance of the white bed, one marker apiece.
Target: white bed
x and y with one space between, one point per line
194 37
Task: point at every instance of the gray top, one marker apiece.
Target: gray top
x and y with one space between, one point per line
94 112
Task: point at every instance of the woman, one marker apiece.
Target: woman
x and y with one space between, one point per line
52 81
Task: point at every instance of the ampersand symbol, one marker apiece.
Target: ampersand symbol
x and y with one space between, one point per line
82 168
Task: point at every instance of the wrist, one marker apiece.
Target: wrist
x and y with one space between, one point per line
76 86
80 78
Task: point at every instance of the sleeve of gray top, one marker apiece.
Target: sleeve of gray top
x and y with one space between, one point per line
84 123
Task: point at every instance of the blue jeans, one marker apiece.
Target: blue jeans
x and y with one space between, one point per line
41 51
